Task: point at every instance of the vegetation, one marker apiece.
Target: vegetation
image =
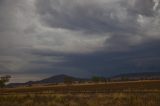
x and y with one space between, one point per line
132 86
130 93
68 80
4 80
110 99
97 79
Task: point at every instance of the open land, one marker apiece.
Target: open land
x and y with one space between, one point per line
131 93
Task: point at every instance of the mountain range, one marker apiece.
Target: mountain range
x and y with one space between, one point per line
61 79
137 76
51 80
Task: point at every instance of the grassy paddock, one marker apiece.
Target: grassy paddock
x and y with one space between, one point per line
110 99
134 93
131 86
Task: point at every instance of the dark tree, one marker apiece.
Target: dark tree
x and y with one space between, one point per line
97 79
4 80
68 80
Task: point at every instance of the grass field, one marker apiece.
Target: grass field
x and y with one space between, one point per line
130 86
132 93
110 99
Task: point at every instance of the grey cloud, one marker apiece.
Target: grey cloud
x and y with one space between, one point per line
90 36
144 7
86 16
95 16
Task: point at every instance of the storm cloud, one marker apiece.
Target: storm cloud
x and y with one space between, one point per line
78 37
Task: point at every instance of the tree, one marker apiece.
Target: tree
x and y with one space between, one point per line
68 80
97 79
124 78
4 80
103 79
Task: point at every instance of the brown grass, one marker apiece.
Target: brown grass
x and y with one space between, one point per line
132 93
110 99
131 86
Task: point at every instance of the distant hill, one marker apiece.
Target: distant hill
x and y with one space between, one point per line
137 76
51 80
60 79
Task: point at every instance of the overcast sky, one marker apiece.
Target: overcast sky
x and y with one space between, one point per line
41 38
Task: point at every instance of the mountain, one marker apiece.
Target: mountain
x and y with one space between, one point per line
51 80
61 78
137 76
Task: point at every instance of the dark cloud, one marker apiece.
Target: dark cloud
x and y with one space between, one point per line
86 16
144 7
140 58
79 37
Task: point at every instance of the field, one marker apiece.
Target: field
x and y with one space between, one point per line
130 86
110 99
132 93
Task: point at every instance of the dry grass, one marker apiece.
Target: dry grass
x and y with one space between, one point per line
132 86
111 99
139 93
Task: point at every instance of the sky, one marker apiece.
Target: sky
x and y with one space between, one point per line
82 38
